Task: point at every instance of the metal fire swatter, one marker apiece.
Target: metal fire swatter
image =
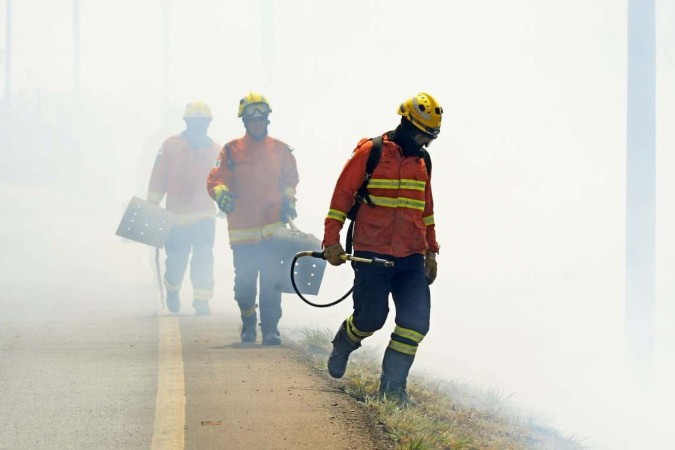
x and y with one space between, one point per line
146 223
308 272
345 257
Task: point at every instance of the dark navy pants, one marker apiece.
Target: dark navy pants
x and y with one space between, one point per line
408 287
198 239
249 261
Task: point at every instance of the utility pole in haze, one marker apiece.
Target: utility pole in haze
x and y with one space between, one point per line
166 52
268 42
76 49
641 180
8 54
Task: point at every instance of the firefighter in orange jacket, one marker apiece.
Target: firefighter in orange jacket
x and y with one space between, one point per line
253 182
400 227
181 165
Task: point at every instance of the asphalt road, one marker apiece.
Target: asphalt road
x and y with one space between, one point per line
88 376
86 361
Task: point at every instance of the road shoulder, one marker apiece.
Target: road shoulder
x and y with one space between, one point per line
254 396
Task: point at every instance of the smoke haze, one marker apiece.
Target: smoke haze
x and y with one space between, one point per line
529 170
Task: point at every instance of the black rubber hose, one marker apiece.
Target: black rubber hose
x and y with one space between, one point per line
320 255
297 291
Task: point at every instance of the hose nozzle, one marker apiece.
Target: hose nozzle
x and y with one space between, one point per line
348 257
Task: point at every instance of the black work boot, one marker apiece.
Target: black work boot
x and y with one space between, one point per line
342 348
248 329
395 368
271 337
201 307
397 395
173 301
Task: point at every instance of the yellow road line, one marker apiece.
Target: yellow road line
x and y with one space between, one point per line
169 429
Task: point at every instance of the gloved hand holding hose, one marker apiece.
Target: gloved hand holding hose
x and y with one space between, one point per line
336 256
332 254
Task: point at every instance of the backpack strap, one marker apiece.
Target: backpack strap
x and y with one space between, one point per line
362 194
373 159
228 157
427 160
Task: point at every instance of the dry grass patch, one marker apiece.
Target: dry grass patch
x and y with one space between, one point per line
448 415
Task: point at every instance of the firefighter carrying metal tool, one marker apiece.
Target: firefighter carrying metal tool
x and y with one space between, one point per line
395 222
181 165
254 183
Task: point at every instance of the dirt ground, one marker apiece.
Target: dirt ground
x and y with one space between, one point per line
258 397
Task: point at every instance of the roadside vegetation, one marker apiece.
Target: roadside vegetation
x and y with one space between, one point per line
446 415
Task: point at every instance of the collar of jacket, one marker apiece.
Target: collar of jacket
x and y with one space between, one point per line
197 140
395 136
251 142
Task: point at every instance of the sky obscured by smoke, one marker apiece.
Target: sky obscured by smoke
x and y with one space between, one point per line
529 170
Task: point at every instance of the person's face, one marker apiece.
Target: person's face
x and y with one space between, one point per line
422 139
198 125
257 126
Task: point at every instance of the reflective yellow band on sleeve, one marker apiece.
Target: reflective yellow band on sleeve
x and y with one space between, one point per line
337 215
429 220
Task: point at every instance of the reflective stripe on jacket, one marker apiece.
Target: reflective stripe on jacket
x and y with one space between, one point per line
179 173
402 222
264 171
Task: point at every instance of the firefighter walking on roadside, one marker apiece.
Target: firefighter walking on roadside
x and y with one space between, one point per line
399 226
181 165
254 182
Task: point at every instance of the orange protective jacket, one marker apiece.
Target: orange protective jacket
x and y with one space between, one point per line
179 172
402 222
263 173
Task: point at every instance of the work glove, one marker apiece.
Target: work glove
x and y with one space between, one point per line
430 267
332 254
225 199
288 209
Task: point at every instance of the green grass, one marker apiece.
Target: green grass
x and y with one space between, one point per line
448 415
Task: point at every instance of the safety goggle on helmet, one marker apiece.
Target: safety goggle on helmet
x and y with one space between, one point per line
254 105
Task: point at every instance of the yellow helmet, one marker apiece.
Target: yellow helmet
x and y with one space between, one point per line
197 109
424 112
254 105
